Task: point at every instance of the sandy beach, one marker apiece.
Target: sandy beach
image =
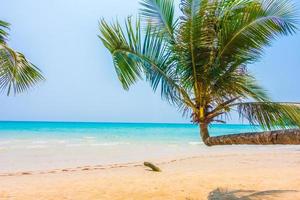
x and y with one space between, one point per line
240 172
203 91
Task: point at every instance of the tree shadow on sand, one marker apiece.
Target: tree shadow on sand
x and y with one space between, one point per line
223 194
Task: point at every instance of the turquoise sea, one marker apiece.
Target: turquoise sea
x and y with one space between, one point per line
51 145
113 132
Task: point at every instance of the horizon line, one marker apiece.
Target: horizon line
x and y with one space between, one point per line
110 122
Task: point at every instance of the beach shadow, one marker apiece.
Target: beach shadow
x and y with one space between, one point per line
224 194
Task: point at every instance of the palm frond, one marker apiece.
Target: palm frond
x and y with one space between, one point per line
4 26
189 35
251 90
196 43
159 14
17 74
133 55
271 115
120 44
247 30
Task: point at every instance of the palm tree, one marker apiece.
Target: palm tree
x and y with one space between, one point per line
199 61
17 74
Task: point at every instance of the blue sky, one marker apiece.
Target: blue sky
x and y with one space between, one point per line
60 37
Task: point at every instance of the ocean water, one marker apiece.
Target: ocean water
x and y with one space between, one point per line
30 146
110 133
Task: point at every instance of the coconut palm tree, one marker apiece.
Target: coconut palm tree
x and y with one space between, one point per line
199 61
17 74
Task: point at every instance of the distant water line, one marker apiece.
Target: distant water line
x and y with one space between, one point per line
109 133
51 145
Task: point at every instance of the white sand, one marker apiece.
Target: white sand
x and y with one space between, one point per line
232 173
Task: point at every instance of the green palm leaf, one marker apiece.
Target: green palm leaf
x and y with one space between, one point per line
247 30
4 26
271 115
133 55
159 14
17 74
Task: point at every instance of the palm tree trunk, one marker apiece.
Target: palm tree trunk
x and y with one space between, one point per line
204 133
291 136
